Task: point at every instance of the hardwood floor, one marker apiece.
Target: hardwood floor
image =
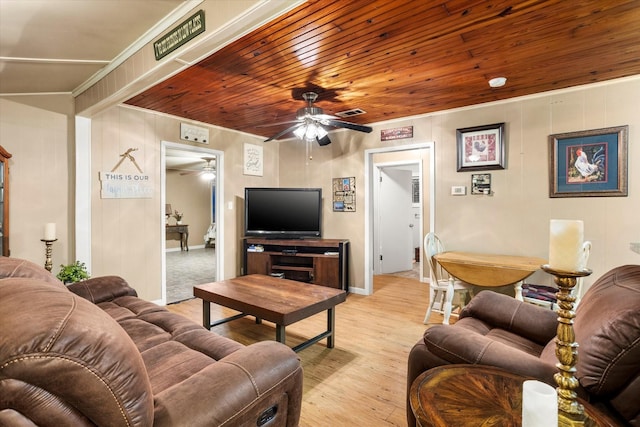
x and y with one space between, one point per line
362 380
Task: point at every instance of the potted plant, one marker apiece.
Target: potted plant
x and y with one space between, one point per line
73 272
178 216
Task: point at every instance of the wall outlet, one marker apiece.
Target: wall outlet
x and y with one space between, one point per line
458 190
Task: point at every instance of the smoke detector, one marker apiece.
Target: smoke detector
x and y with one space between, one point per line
497 82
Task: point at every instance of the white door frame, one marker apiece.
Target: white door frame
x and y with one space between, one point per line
219 206
369 205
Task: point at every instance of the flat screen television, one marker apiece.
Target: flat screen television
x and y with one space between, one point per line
283 213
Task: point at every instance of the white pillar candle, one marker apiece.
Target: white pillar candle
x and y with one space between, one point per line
50 231
539 405
565 244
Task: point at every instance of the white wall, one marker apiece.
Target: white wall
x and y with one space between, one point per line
40 176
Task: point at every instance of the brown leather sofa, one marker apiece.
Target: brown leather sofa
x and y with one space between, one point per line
498 330
94 354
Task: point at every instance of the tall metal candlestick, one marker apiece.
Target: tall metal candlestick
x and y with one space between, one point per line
47 253
566 345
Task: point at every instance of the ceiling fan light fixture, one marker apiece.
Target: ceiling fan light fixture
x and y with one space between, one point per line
299 132
208 175
498 82
311 132
311 121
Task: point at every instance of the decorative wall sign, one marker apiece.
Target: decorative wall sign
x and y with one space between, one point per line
194 133
120 185
588 163
253 164
481 148
396 133
125 186
344 194
180 35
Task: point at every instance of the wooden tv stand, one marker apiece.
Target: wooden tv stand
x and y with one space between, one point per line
318 261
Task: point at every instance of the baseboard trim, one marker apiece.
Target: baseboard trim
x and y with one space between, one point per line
178 249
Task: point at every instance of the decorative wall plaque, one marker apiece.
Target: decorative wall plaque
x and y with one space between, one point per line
344 194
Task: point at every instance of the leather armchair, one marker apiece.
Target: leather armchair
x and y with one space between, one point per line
94 354
497 330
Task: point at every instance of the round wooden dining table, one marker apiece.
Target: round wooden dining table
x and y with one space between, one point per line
490 270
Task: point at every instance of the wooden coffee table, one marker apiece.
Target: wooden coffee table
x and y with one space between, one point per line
280 301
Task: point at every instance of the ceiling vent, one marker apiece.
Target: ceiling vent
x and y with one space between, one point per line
350 113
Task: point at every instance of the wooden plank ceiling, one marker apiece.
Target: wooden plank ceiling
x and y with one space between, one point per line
397 58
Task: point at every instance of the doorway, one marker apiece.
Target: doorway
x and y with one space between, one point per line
192 179
422 153
397 219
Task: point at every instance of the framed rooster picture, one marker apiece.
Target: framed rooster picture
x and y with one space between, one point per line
481 148
590 163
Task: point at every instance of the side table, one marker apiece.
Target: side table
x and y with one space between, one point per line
183 231
477 395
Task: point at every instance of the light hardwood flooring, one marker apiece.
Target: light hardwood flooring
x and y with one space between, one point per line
362 381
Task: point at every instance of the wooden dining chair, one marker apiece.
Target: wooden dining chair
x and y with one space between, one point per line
442 286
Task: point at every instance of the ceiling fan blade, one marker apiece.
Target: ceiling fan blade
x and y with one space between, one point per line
278 124
323 117
347 125
279 134
323 141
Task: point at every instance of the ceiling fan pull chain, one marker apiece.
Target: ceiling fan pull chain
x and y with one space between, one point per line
309 148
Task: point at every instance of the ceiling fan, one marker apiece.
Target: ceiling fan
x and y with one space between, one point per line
310 122
208 170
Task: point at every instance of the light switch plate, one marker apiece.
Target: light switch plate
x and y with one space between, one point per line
458 190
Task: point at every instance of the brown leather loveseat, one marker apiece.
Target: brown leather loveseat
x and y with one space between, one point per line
94 354
498 330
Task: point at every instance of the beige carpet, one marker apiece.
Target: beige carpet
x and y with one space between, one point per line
186 269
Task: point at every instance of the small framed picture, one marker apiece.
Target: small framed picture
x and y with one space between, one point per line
588 163
481 183
481 148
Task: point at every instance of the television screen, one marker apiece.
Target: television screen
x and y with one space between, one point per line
283 212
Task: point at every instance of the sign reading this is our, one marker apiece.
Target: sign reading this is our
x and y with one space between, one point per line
179 35
125 186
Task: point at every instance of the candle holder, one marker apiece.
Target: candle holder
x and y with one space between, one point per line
47 253
566 345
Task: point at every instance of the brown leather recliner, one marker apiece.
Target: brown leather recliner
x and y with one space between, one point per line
101 356
497 330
